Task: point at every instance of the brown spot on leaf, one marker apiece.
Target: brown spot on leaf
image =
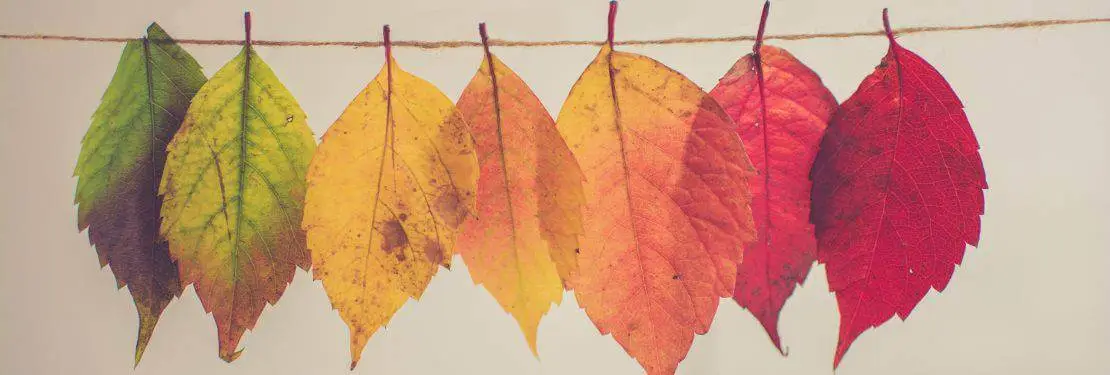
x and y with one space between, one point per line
394 239
449 207
434 252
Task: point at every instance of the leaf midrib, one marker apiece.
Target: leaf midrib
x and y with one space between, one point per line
494 89
245 103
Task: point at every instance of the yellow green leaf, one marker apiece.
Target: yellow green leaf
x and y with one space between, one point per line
234 190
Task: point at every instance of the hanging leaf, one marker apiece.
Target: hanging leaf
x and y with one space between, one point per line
898 192
666 203
781 110
524 238
234 187
121 162
393 180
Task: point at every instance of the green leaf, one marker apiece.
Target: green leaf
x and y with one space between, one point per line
234 194
121 162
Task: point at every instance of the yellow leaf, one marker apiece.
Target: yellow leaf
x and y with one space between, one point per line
529 197
393 179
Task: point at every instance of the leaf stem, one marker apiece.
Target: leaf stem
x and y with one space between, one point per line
612 22
762 26
485 37
387 44
886 26
247 27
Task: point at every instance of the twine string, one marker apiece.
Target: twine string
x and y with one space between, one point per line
444 44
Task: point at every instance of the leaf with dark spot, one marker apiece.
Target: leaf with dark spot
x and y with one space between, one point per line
394 239
394 177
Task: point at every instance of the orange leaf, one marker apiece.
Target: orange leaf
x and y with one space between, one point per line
525 236
667 203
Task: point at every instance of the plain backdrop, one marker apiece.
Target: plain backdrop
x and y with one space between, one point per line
1034 298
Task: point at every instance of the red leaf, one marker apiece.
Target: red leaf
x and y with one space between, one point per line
898 192
781 110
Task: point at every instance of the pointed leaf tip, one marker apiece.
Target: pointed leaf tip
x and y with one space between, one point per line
147 321
231 357
154 28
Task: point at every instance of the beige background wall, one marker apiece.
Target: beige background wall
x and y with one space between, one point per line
1033 299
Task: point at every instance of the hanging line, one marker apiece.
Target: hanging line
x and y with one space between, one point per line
551 43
